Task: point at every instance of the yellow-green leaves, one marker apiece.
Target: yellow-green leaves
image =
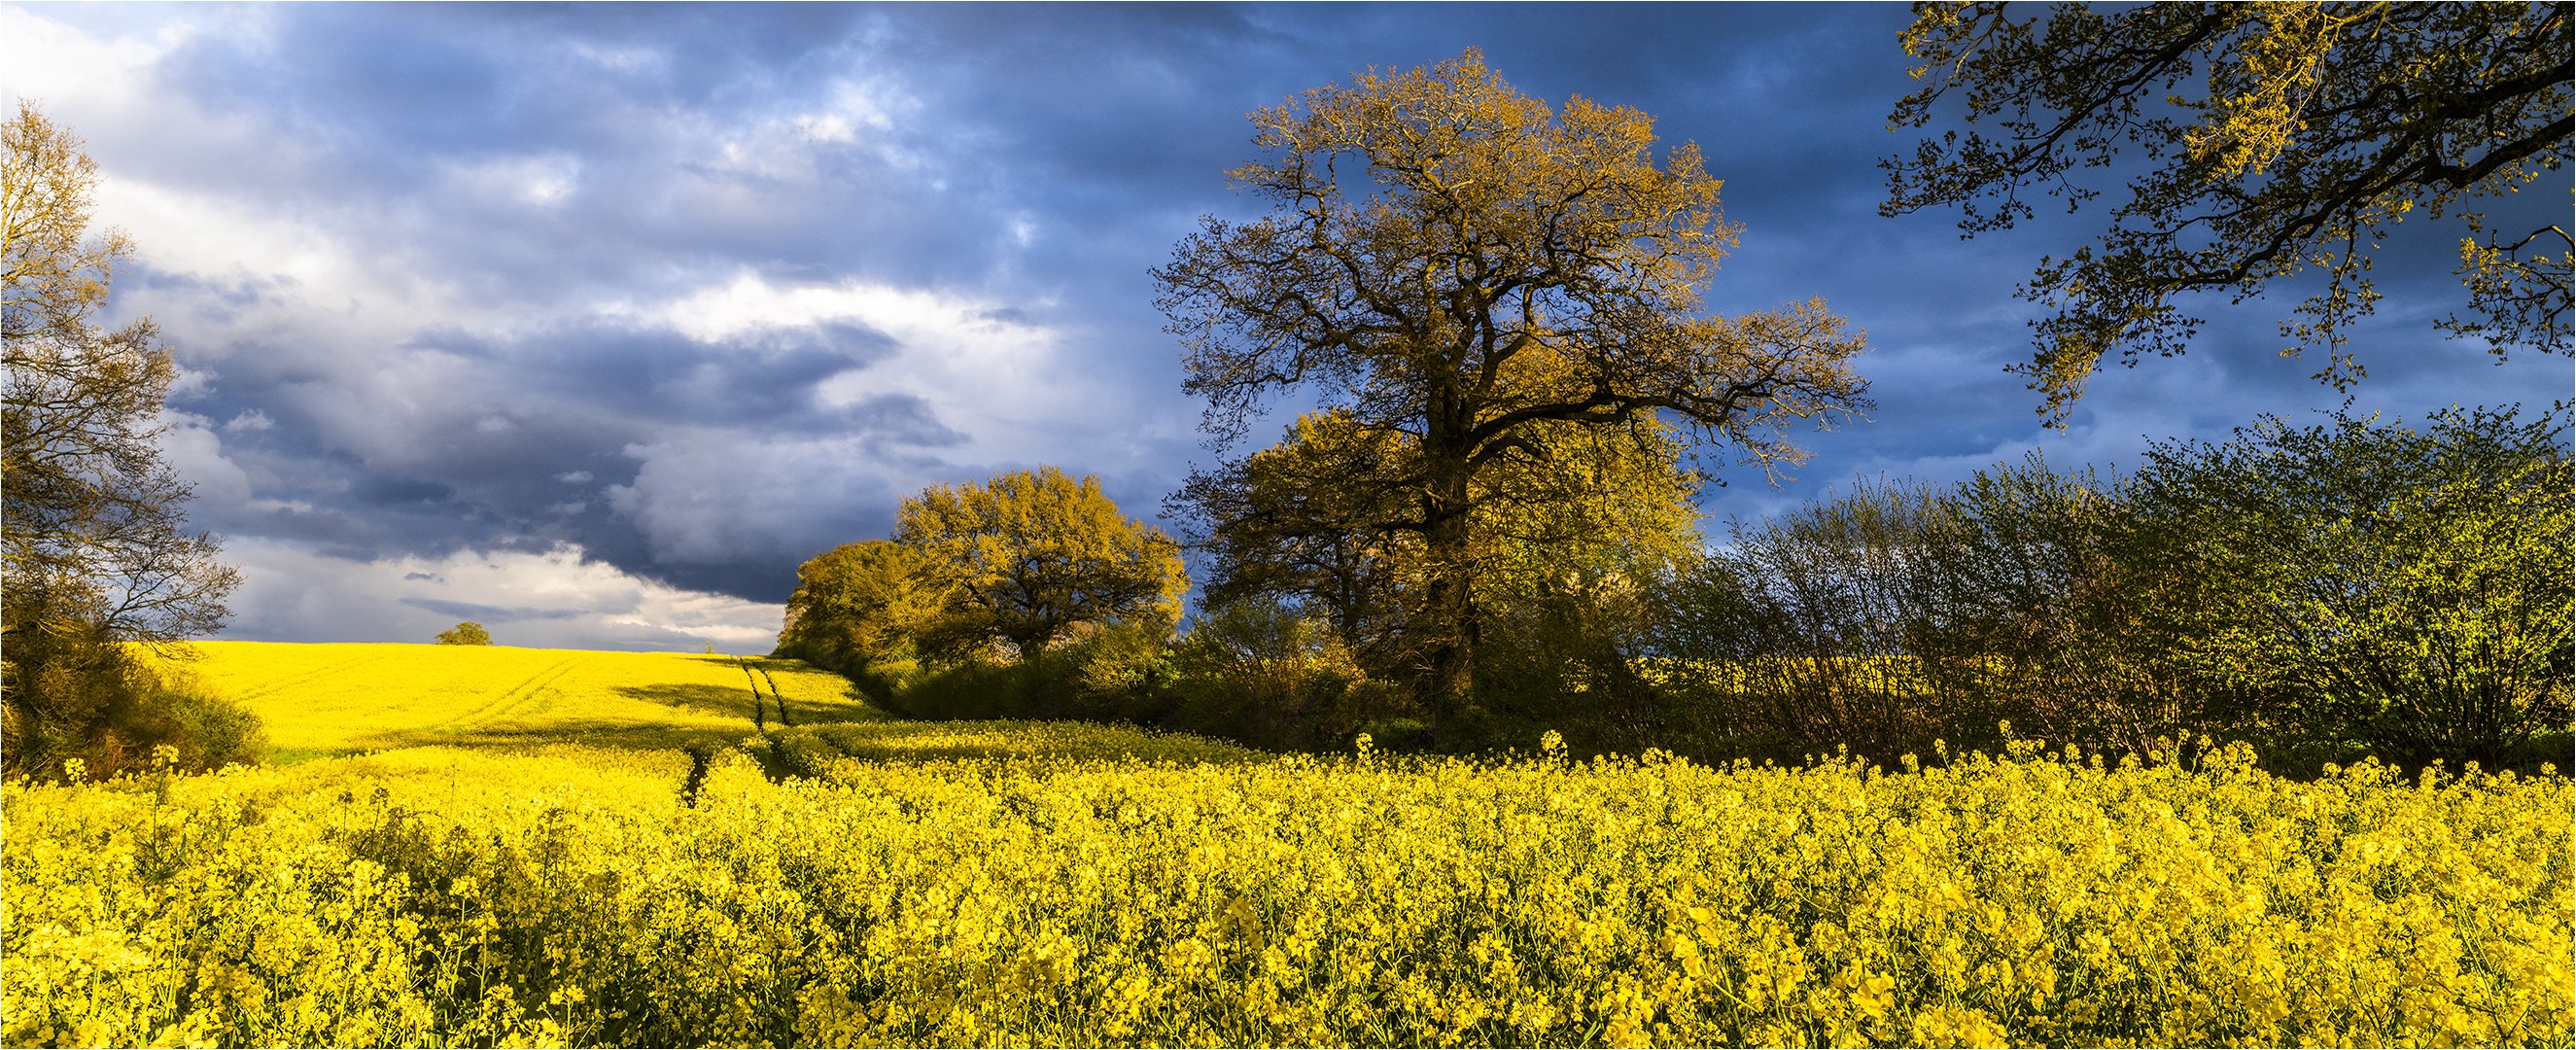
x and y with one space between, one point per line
859 609
2406 589
1032 555
2292 138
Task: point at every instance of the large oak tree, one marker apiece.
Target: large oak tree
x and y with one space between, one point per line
1456 265
2268 140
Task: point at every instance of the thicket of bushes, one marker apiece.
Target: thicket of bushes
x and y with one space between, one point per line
2345 589
108 707
2324 592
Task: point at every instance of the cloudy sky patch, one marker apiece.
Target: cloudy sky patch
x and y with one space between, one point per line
592 322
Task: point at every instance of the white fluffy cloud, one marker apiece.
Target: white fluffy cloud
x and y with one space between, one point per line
553 600
978 364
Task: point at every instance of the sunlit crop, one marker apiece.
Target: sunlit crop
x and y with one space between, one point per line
849 748
333 699
1045 894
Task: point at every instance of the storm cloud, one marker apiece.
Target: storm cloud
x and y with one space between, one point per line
594 321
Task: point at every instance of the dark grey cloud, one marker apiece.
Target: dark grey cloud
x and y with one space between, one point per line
700 290
487 614
528 441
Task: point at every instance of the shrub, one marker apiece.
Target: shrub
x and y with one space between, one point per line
2368 583
137 702
975 687
208 728
1260 671
2348 589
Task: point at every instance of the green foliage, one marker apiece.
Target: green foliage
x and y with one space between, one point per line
858 609
1114 671
1029 556
1270 673
1305 522
1796 631
2406 590
1027 595
122 705
1567 651
972 687
2355 587
1561 539
203 727
467 633
2045 601
2289 136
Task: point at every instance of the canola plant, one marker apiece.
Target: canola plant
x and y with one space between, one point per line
1099 892
322 700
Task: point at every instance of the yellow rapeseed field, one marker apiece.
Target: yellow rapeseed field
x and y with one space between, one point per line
887 883
345 698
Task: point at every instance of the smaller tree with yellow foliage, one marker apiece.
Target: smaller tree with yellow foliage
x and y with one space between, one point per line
1032 558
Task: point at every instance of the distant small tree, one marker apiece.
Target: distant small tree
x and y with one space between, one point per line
467 633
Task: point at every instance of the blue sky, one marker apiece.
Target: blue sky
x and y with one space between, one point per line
592 322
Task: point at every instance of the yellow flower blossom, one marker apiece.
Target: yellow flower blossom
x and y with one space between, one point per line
1027 884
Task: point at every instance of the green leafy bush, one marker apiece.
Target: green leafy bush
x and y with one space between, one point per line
1263 672
2377 587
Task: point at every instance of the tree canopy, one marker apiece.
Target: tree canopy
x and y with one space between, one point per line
1489 268
1029 555
858 604
2276 139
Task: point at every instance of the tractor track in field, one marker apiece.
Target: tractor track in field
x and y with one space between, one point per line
756 674
759 719
775 696
308 677
517 695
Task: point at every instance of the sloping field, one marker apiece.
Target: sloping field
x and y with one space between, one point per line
320 700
